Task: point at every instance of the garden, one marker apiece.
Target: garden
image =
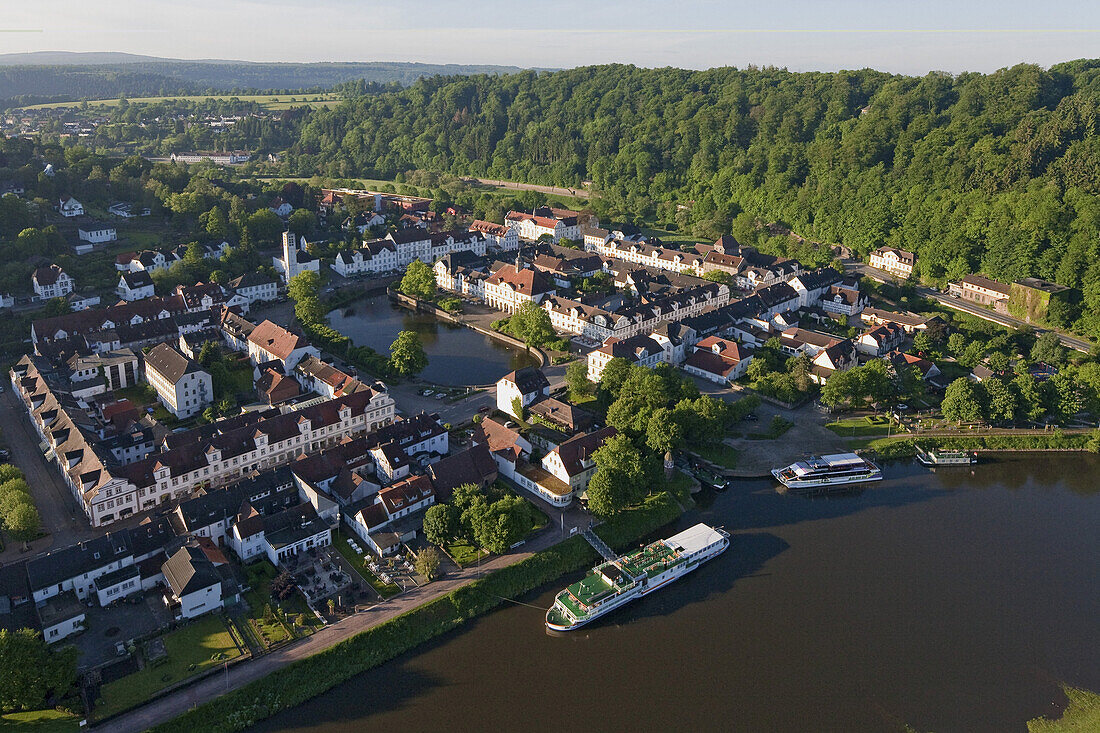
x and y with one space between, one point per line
188 651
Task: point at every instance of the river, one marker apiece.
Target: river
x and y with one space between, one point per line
456 355
948 601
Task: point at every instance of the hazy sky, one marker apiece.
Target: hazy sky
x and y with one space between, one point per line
910 37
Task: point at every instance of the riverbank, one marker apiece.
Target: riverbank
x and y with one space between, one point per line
309 677
1054 441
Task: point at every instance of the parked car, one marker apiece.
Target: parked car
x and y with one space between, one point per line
484 408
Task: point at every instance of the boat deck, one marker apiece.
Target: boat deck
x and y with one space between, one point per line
652 560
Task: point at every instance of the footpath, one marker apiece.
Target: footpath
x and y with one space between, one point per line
165 708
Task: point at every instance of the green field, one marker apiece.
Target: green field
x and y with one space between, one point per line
40 721
269 101
191 650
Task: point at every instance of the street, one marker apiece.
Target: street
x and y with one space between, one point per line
961 305
62 519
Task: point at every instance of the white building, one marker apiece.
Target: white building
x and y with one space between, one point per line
70 207
528 383
256 287
718 360
182 386
895 261
641 350
135 286
498 235
293 260
271 342
51 282
508 288
97 232
194 585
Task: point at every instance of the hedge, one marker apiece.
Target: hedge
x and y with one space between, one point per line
314 675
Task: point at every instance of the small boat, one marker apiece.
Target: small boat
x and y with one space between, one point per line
713 480
937 457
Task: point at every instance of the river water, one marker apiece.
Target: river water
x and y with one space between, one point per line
949 601
456 355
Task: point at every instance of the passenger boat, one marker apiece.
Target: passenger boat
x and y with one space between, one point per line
827 473
934 457
615 583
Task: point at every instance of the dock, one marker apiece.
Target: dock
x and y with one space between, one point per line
600 546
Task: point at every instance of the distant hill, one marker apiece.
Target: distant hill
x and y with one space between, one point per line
61 75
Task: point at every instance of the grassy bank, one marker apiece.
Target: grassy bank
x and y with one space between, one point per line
309 677
1082 715
1055 440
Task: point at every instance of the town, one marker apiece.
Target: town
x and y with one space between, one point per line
199 460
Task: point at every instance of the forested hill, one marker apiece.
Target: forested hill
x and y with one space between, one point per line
996 172
137 76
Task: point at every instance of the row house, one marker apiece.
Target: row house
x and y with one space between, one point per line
94 321
455 273
589 321
497 235
981 290
446 243
394 515
651 256
563 269
212 455
204 296
377 255
211 514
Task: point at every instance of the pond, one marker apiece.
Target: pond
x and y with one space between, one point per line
457 355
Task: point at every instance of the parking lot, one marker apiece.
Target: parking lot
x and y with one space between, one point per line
122 621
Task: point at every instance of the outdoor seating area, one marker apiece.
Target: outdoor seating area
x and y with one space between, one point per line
319 576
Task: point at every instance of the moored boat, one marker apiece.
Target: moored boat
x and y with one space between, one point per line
617 582
939 457
827 473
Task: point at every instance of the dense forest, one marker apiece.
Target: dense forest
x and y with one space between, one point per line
996 173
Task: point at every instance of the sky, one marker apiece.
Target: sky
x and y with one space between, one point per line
911 37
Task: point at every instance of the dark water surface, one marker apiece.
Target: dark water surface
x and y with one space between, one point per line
949 601
456 355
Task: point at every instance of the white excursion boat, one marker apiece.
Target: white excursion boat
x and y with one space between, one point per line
615 583
827 473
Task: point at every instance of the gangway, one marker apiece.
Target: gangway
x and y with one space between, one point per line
600 545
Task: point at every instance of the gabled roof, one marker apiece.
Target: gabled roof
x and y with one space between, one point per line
404 493
189 570
473 466
528 380
526 281
579 449
276 340
170 363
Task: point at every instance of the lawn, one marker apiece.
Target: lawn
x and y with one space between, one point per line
140 394
680 487
192 649
359 562
869 425
270 631
40 721
464 553
721 454
670 237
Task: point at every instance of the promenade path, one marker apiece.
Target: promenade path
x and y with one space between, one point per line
176 703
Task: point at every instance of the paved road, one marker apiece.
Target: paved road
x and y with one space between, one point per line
62 519
961 305
181 701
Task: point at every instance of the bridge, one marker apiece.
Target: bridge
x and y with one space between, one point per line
600 545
